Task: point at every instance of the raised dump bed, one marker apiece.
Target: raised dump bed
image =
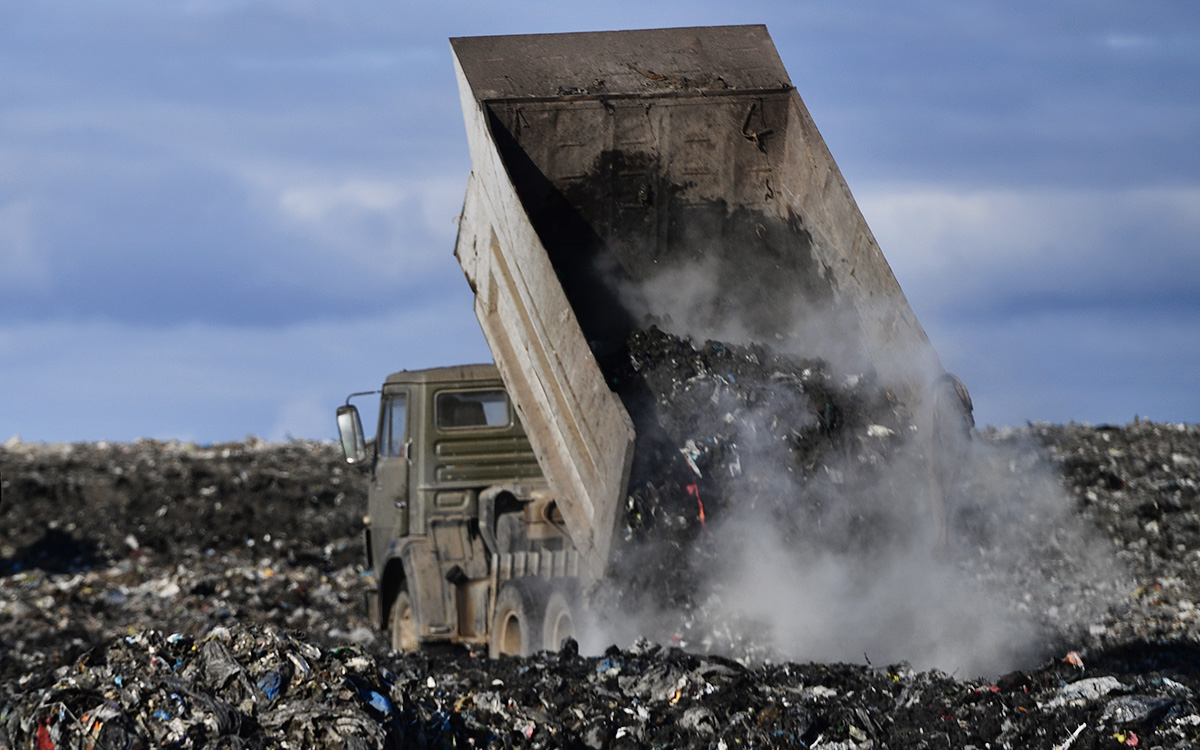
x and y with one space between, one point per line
670 176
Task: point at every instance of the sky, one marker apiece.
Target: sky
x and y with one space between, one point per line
218 218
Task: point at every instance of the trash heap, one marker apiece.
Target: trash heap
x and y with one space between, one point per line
235 620
252 687
96 539
259 687
86 502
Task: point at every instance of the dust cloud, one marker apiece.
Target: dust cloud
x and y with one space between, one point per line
869 580
883 535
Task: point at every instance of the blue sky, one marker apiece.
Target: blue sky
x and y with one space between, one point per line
218 218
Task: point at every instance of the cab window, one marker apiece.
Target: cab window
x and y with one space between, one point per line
472 409
393 431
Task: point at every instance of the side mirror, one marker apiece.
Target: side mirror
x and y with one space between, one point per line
350 432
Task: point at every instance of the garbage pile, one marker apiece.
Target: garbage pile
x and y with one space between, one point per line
258 687
96 539
239 688
139 608
168 497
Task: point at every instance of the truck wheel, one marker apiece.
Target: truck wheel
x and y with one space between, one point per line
404 625
517 627
559 622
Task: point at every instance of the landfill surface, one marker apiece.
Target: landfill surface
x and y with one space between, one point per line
165 594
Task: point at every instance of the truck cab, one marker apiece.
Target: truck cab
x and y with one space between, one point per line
457 507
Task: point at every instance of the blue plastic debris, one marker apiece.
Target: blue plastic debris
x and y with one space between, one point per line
606 664
379 702
370 696
270 684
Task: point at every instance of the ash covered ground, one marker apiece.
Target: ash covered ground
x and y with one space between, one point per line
166 594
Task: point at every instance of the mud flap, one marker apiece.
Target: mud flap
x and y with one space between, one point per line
424 584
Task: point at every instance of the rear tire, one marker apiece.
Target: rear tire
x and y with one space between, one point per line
559 622
404 624
517 625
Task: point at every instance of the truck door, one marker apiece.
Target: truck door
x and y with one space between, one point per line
388 497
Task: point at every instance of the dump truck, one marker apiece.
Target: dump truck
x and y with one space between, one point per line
671 176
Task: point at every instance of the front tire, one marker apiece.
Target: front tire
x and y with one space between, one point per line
404 625
517 625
